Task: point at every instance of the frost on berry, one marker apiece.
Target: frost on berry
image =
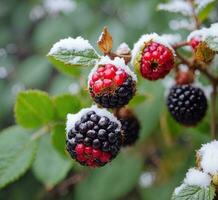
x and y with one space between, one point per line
153 57
187 104
93 136
111 83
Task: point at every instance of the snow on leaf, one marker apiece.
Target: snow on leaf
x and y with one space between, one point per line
187 192
73 52
198 178
177 6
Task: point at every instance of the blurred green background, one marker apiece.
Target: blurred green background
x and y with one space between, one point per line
150 170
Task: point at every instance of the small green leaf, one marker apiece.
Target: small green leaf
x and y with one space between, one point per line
112 181
212 42
65 104
17 153
33 109
195 193
58 137
50 167
138 99
66 59
205 10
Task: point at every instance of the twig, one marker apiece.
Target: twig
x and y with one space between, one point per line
195 17
213 111
180 44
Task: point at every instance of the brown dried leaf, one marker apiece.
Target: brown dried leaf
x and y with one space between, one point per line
203 53
105 42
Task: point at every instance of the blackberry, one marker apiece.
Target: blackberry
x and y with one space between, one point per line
111 83
187 104
130 126
93 136
152 57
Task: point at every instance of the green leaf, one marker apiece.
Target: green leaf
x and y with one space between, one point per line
195 193
205 11
212 42
38 70
66 60
149 111
138 99
50 167
65 104
112 181
17 153
58 136
33 109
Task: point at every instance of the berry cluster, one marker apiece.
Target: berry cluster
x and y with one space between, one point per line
187 104
156 61
93 139
111 86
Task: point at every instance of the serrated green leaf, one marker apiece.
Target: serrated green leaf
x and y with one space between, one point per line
67 61
65 104
195 193
17 153
50 167
58 136
212 42
112 181
33 109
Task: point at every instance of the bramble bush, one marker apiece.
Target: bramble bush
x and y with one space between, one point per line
139 115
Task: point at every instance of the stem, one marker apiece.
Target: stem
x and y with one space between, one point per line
213 111
39 133
179 45
195 17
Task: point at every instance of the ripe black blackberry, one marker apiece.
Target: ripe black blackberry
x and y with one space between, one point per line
187 104
93 136
130 126
111 83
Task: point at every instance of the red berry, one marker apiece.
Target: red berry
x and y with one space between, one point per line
107 82
194 42
118 79
95 77
79 149
105 157
88 150
156 61
90 163
109 74
100 69
96 153
81 158
98 86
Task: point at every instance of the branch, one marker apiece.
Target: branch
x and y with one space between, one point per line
213 111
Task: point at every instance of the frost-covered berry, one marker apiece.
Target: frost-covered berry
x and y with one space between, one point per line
130 126
111 83
152 57
187 104
93 136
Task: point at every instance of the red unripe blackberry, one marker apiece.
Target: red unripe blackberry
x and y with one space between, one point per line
152 57
111 83
187 104
194 42
93 136
130 126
